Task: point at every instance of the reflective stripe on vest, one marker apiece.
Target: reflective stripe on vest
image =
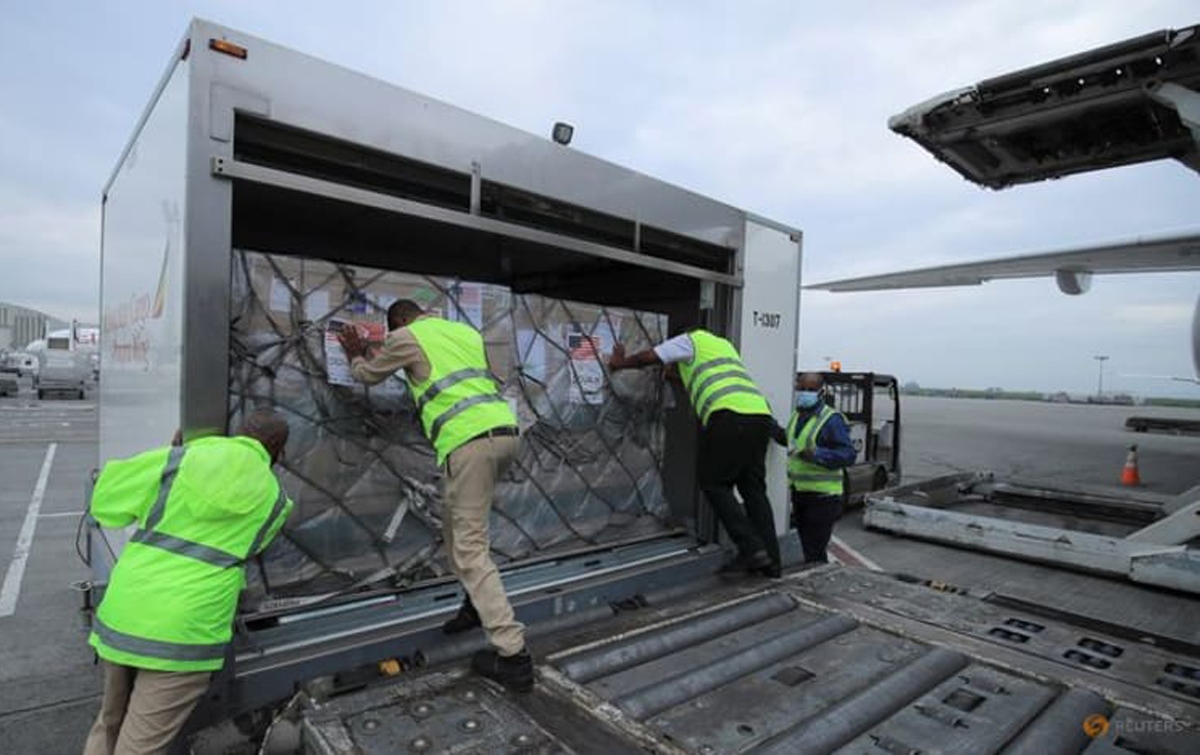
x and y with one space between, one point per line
189 548
452 379
459 407
173 593
809 477
716 379
174 459
181 547
174 651
209 555
459 399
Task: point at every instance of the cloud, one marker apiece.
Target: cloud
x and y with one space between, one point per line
51 253
778 107
1153 314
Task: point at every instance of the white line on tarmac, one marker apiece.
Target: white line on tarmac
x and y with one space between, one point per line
16 569
60 514
852 556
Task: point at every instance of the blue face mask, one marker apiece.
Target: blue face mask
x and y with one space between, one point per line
807 399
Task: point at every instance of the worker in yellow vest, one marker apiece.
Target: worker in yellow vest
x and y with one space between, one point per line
736 427
475 438
163 626
819 447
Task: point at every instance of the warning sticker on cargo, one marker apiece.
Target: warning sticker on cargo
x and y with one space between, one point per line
337 366
587 374
281 295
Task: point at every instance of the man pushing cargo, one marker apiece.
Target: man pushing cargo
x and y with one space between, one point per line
202 509
736 429
474 435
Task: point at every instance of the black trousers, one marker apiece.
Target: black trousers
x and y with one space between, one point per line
733 453
813 515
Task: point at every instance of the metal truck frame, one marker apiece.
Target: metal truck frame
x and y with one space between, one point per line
640 645
248 144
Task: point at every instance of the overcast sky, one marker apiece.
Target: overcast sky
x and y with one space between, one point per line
778 107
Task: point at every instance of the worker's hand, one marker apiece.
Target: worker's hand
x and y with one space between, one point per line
778 433
351 342
177 438
616 360
807 455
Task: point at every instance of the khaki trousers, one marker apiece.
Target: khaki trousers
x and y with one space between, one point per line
143 710
470 483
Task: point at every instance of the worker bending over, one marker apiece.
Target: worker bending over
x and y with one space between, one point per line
474 434
736 427
202 509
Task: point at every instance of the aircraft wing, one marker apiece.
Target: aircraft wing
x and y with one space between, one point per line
1119 104
1149 254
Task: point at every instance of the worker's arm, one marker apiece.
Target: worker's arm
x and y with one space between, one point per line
834 448
778 432
127 488
618 360
670 351
400 351
276 524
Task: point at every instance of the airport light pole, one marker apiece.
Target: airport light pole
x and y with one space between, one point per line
1100 385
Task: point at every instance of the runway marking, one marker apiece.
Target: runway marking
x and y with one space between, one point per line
840 550
59 514
16 568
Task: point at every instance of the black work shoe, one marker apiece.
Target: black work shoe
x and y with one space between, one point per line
513 671
771 572
758 560
732 567
467 618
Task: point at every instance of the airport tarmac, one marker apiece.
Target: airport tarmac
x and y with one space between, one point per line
49 687
1042 443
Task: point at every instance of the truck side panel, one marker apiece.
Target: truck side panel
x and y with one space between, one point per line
141 279
769 331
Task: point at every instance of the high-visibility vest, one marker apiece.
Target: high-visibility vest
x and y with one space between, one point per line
458 400
202 510
805 476
716 379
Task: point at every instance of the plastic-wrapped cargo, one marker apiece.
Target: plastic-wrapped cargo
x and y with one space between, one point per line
366 487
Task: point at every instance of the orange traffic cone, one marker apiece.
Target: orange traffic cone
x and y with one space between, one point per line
1129 475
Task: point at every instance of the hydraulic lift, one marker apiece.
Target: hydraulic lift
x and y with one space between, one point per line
1134 536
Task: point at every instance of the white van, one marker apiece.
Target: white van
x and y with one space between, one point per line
24 365
63 371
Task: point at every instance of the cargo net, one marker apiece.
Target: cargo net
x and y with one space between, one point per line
364 479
